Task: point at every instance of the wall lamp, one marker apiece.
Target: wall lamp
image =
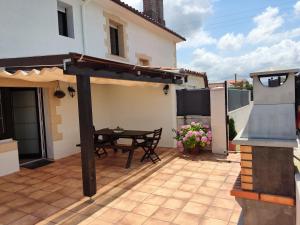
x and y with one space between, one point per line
166 89
71 91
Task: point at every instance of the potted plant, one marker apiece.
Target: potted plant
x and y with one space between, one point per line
193 137
232 134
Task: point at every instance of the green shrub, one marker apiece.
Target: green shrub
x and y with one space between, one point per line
232 131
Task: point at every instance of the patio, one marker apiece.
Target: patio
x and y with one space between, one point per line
178 190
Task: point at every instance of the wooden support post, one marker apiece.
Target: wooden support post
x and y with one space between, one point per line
86 135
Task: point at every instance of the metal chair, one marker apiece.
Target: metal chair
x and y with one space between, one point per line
100 144
149 145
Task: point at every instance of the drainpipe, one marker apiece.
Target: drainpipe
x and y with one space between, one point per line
84 3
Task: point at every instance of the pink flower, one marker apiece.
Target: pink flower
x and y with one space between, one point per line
185 139
209 134
204 139
206 126
179 144
198 139
193 123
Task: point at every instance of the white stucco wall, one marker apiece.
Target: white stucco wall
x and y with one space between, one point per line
32 30
141 108
241 116
9 159
144 108
218 120
194 82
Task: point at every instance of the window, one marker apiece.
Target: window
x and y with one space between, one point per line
144 62
6 125
116 39
186 79
65 20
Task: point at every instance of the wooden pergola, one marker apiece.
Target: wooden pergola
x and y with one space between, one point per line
85 68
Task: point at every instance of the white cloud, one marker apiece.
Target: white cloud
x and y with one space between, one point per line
138 4
231 41
184 16
266 24
297 8
283 55
200 38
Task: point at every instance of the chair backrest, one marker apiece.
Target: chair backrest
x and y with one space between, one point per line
156 138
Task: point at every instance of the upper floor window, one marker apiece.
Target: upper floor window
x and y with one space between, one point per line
116 39
65 19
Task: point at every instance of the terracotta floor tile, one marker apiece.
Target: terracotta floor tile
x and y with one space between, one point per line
208 191
26 220
64 202
39 194
223 203
187 218
166 192
182 195
147 188
133 219
173 203
203 199
19 202
218 213
172 185
194 181
31 207
11 216
235 216
3 209
195 208
155 200
155 182
178 192
99 221
11 187
210 221
112 215
145 209
51 197
45 211
126 205
216 178
188 188
213 184
179 179
165 214
152 221
137 196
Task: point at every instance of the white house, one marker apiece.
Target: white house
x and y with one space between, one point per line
36 39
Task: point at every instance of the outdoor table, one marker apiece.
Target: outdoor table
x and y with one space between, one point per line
134 135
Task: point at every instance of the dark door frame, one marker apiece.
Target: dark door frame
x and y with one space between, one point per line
38 112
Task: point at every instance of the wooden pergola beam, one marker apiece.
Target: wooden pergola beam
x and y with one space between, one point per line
86 135
72 69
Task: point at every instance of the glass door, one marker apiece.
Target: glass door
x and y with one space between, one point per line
27 123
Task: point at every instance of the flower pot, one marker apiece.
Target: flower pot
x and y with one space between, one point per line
232 147
195 150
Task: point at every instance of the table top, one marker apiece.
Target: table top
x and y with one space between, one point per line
124 134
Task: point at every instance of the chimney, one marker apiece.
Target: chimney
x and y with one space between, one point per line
155 10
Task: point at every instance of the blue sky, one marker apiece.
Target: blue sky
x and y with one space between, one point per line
230 36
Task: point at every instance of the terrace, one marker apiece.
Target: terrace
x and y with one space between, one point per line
181 189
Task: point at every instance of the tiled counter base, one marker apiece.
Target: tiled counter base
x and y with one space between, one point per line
265 189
